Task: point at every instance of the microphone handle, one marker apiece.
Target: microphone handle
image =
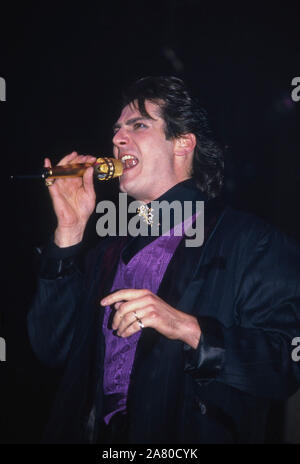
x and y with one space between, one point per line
104 169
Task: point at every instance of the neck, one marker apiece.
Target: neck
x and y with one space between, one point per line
158 194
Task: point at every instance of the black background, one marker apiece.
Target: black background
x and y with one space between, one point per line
65 66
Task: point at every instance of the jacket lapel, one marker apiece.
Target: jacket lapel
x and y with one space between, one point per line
186 260
179 273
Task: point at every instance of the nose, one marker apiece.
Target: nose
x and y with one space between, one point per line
121 137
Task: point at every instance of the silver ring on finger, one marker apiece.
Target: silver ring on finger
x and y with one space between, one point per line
140 324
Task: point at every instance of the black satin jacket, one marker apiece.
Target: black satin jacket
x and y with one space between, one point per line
243 285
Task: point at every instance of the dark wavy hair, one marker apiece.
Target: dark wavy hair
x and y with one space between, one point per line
182 115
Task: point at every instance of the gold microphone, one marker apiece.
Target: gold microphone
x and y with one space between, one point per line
104 169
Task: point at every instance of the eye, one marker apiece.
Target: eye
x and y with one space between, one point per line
139 125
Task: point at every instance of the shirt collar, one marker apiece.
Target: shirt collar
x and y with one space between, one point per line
183 191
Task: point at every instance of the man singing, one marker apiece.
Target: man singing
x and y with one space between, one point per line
160 342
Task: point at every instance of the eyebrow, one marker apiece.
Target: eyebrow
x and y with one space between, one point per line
131 121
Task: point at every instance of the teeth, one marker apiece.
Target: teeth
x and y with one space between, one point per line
127 157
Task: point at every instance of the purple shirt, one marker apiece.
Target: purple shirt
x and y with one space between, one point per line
145 270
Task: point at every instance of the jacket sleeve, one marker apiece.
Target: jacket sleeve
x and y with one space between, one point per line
255 354
51 318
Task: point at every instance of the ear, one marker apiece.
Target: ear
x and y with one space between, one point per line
184 144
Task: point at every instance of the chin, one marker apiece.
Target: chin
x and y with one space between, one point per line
125 188
128 185
131 190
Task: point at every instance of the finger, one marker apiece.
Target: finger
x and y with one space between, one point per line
68 158
129 319
91 159
137 325
80 159
129 311
88 181
124 294
122 323
53 189
131 329
47 163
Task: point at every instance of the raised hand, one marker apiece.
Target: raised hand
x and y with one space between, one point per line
73 201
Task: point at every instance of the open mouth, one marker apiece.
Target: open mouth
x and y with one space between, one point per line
129 162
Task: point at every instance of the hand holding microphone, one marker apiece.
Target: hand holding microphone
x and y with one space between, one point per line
72 191
73 197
